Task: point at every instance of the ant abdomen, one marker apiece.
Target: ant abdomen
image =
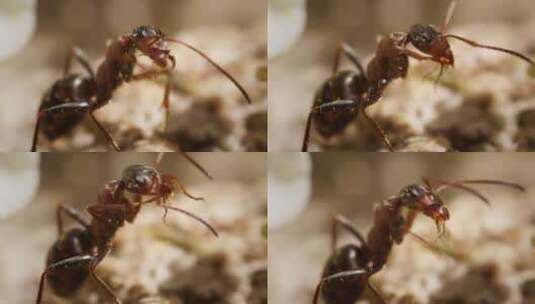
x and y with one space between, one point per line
345 290
344 85
69 89
66 281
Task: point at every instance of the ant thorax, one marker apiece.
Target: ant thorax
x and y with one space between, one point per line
398 227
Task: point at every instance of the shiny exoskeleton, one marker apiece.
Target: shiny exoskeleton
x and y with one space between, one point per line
347 271
78 251
73 97
347 93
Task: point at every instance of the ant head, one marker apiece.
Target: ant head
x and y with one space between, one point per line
141 179
427 39
151 41
422 198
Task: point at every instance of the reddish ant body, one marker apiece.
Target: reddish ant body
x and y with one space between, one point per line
68 101
78 251
347 93
347 271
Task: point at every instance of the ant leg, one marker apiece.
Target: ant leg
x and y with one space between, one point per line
150 74
338 275
165 102
81 57
101 282
376 293
306 137
490 47
66 263
415 55
334 104
349 226
73 213
36 133
349 52
107 134
182 187
378 129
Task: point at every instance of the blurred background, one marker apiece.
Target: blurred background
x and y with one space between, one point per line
30 71
236 196
297 73
350 184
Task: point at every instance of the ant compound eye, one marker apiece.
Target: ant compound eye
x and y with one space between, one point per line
423 37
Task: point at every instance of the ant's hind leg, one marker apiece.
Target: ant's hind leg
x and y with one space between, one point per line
71 212
350 53
66 263
338 220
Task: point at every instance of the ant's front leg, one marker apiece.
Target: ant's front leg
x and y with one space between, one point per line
414 54
71 212
151 74
350 53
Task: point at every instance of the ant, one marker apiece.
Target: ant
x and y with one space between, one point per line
74 96
347 271
347 93
78 251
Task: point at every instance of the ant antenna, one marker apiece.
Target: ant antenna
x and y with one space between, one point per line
490 47
223 71
188 158
461 185
196 164
449 15
191 215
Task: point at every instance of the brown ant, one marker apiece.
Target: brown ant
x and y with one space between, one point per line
78 251
347 271
70 98
347 93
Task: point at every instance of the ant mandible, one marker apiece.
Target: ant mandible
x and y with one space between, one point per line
78 251
74 96
347 93
347 271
